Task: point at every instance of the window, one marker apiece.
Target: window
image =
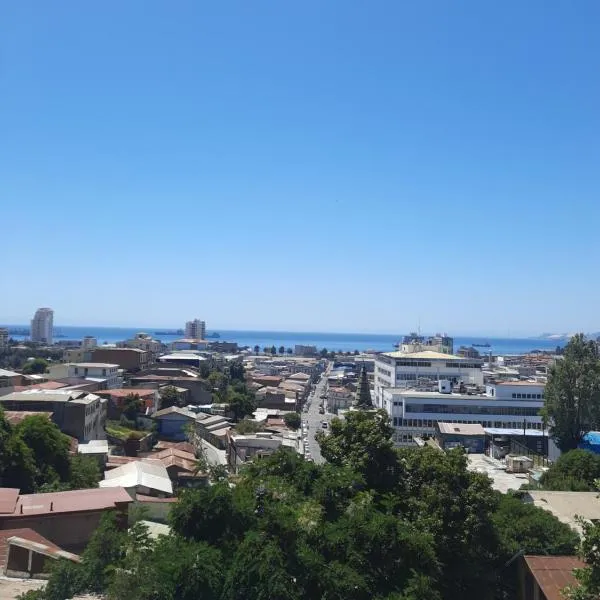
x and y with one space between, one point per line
76 371
104 372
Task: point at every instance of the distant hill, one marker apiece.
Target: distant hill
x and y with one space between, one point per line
563 337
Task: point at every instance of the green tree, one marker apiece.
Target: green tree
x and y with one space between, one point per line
281 350
292 420
237 372
241 404
256 349
324 353
36 366
289 351
362 441
132 407
49 446
266 350
576 470
363 394
526 527
168 397
17 463
84 472
588 577
573 393
259 572
204 370
246 426
172 568
273 350
215 514
456 507
104 552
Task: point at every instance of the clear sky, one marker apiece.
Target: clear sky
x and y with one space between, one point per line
302 165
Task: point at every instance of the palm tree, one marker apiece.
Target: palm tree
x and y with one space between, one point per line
281 350
256 349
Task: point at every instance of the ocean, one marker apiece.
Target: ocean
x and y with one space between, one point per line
288 339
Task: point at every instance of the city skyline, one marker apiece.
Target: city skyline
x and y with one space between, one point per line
302 167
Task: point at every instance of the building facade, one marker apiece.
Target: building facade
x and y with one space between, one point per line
145 342
410 370
303 350
42 326
413 413
3 338
89 342
435 343
76 413
195 329
129 359
95 370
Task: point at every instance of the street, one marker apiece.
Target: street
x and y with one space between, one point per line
314 420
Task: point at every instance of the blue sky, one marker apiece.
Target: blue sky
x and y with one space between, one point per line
316 165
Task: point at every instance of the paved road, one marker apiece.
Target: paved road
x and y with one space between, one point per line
314 420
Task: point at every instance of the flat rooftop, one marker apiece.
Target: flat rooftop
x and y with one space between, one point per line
461 428
567 506
95 365
428 355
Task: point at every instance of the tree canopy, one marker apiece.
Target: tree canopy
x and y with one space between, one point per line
35 366
34 456
292 420
372 523
573 393
168 396
575 471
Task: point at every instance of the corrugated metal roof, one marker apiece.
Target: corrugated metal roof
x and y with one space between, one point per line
461 428
72 501
8 499
553 573
150 473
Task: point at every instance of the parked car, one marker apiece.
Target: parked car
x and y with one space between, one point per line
324 425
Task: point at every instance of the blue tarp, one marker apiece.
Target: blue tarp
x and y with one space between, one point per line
591 441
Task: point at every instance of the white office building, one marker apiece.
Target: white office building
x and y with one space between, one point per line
42 325
506 405
105 372
404 370
195 330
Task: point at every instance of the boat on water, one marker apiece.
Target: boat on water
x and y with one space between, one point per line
486 345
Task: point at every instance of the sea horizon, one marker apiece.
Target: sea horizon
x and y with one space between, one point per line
330 340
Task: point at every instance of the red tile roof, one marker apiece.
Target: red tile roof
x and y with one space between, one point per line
66 502
553 573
